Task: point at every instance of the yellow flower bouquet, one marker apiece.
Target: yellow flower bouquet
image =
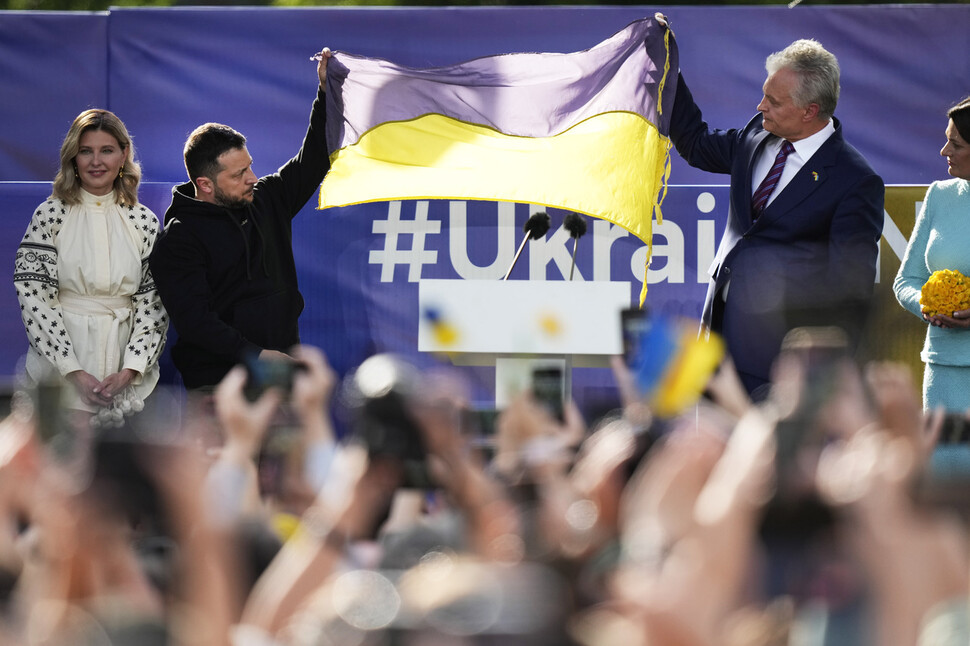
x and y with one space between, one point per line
946 292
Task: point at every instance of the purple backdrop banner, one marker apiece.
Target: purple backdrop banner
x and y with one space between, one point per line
164 71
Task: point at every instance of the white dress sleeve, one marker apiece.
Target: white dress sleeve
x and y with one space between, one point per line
150 323
35 278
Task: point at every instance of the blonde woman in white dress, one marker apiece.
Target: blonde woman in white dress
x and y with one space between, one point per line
87 298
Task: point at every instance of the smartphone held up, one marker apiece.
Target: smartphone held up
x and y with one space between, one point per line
263 374
549 390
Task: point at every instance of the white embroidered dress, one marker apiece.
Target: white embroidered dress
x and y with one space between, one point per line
86 294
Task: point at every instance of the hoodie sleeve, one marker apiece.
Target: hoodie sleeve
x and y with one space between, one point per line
178 265
298 179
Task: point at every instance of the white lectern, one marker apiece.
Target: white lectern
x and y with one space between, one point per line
517 325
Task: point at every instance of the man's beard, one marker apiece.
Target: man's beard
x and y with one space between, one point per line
230 202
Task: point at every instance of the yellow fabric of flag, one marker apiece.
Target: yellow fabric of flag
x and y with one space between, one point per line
435 156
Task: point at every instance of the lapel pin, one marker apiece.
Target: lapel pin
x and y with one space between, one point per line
814 176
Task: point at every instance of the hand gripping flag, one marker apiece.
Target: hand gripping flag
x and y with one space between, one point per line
585 131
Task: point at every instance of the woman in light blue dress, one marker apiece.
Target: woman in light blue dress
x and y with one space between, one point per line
941 240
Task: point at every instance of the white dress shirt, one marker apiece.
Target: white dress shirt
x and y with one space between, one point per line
804 149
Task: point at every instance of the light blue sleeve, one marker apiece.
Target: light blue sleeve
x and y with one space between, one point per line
913 272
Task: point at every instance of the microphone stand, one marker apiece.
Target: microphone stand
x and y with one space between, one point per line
576 226
535 226
572 266
517 254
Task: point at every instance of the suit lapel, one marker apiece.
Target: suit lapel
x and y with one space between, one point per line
812 176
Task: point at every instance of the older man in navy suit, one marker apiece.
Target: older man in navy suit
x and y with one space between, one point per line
805 217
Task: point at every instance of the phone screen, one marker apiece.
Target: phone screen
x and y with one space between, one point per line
548 389
632 323
955 429
262 374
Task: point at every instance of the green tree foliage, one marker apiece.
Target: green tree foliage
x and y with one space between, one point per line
104 5
78 5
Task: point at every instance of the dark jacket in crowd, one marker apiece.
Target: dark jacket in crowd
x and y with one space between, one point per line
227 276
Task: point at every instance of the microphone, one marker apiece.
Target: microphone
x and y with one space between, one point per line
575 224
535 227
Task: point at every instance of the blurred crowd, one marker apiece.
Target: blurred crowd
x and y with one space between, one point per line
810 518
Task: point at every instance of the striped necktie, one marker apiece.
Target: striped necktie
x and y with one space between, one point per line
760 198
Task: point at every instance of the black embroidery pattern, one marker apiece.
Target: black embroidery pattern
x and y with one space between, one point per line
150 323
35 279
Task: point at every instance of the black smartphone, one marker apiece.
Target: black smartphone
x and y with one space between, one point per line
633 321
955 429
263 374
478 427
548 388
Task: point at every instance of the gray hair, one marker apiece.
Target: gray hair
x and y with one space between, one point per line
818 73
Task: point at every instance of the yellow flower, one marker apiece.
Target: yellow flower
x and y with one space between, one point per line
945 292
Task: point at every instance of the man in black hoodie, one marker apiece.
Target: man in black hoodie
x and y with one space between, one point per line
224 263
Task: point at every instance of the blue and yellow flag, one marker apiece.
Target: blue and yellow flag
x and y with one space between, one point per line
585 131
672 364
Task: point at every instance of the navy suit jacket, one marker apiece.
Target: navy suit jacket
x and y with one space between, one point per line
811 252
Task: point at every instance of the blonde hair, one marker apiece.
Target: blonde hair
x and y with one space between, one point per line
66 184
